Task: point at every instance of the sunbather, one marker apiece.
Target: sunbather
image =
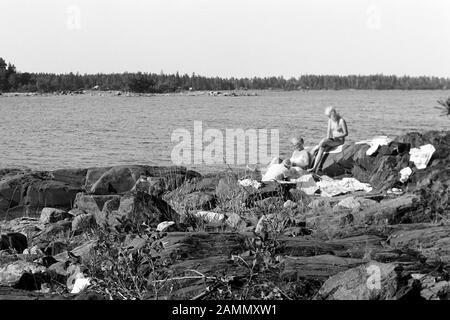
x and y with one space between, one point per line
300 157
336 133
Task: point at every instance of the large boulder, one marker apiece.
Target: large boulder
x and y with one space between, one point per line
380 169
51 193
143 208
29 192
50 215
121 179
336 164
91 203
75 177
270 189
371 281
432 242
92 175
117 180
12 273
12 190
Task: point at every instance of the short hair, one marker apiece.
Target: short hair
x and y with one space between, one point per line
329 109
297 140
286 163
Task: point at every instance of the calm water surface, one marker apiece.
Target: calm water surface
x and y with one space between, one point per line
82 131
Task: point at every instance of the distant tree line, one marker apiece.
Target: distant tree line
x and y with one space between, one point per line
11 80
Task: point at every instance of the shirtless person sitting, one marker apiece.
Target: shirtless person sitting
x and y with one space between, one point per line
300 157
336 133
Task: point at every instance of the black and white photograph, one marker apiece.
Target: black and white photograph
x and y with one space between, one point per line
223 157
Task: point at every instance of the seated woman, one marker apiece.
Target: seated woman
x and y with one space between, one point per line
300 157
336 133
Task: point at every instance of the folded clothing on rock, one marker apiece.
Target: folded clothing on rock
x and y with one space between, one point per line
330 188
375 143
250 183
422 155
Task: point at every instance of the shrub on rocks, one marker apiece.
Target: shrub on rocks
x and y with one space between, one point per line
235 222
199 201
106 216
83 222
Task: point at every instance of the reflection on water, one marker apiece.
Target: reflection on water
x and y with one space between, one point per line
82 131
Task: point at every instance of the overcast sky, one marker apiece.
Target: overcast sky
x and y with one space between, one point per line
240 38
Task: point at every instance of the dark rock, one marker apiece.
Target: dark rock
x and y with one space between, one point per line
270 189
32 281
144 208
13 189
13 242
90 203
49 193
76 177
389 211
433 288
92 175
121 179
117 180
337 164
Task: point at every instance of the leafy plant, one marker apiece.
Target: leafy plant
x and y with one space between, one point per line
444 106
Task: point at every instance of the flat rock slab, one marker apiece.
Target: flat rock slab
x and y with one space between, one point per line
319 267
433 242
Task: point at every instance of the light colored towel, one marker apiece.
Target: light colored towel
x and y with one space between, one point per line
375 143
421 156
337 149
330 187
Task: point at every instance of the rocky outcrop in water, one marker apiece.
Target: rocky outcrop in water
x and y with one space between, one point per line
274 241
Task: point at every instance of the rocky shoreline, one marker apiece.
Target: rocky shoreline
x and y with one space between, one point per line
120 93
149 232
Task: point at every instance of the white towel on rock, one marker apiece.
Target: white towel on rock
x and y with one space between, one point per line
421 156
375 143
